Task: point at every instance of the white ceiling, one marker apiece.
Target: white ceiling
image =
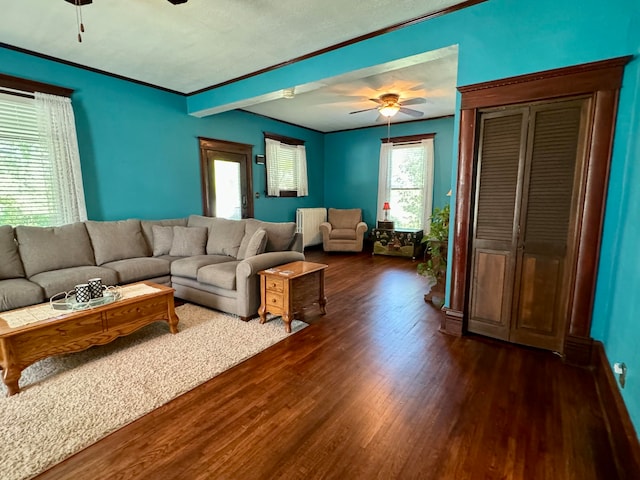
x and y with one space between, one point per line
201 43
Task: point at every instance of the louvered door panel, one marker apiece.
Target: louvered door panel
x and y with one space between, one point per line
548 193
493 253
498 177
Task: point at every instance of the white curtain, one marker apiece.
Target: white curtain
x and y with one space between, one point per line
384 176
56 118
427 197
271 161
303 183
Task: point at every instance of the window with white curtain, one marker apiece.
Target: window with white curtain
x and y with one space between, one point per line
406 182
40 176
286 166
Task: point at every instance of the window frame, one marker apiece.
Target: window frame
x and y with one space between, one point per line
291 141
403 141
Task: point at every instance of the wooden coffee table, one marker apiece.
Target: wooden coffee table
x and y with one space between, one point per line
74 331
285 290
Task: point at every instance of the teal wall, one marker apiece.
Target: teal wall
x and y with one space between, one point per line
139 149
352 158
140 156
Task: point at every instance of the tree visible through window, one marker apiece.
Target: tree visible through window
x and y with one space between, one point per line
406 182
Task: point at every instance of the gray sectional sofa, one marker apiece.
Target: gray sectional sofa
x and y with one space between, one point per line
210 261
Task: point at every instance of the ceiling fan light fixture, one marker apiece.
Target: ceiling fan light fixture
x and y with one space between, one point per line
389 110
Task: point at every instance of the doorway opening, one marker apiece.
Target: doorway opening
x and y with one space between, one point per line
226 178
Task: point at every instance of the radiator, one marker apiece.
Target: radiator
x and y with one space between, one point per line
308 222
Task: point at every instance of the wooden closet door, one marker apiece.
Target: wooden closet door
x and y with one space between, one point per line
547 222
527 195
494 242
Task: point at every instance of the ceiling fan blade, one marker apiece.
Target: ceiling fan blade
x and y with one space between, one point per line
411 111
365 110
377 100
382 118
414 101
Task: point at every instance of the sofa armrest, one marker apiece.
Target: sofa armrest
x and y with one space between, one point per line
252 265
247 282
325 229
361 228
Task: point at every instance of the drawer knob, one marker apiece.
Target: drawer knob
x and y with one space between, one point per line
273 300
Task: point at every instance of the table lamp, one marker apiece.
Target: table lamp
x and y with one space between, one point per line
386 209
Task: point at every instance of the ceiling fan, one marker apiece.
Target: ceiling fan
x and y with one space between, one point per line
82 3
389 104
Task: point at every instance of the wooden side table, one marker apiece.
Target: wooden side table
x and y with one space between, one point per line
287 289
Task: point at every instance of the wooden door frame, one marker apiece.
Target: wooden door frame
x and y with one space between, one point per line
224 146
600 80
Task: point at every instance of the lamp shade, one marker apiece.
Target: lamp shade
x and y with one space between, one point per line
389 110
386 206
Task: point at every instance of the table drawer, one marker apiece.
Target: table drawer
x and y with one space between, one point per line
275 284
274 300
138 312
56 337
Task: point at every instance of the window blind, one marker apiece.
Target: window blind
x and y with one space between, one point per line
26 175
286 168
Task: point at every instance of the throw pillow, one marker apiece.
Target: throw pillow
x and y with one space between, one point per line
257 243
162 240
188 241
225 236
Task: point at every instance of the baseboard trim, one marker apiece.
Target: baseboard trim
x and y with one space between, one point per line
451 323
622 434
578 350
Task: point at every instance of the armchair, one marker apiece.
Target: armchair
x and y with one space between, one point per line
344 230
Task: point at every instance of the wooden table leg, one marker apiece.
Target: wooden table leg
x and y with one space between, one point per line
11 376
173 317
322 301
286 317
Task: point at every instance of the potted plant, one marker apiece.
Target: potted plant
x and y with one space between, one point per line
434 266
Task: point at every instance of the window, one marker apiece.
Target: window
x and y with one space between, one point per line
40 177
406 181
286 164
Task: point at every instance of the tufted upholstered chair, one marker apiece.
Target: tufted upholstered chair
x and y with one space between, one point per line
344 230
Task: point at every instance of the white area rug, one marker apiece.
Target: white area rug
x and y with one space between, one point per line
70 401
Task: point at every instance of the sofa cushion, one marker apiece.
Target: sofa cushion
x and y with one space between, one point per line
162 240
188 241
199 221
10 265
117 240
225 236
147 228
66 279
43 249
279 235
344 218
134 269
343 234
19 292
188 267
257 243
221 275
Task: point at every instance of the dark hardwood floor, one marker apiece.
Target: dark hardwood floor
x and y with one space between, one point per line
371 390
